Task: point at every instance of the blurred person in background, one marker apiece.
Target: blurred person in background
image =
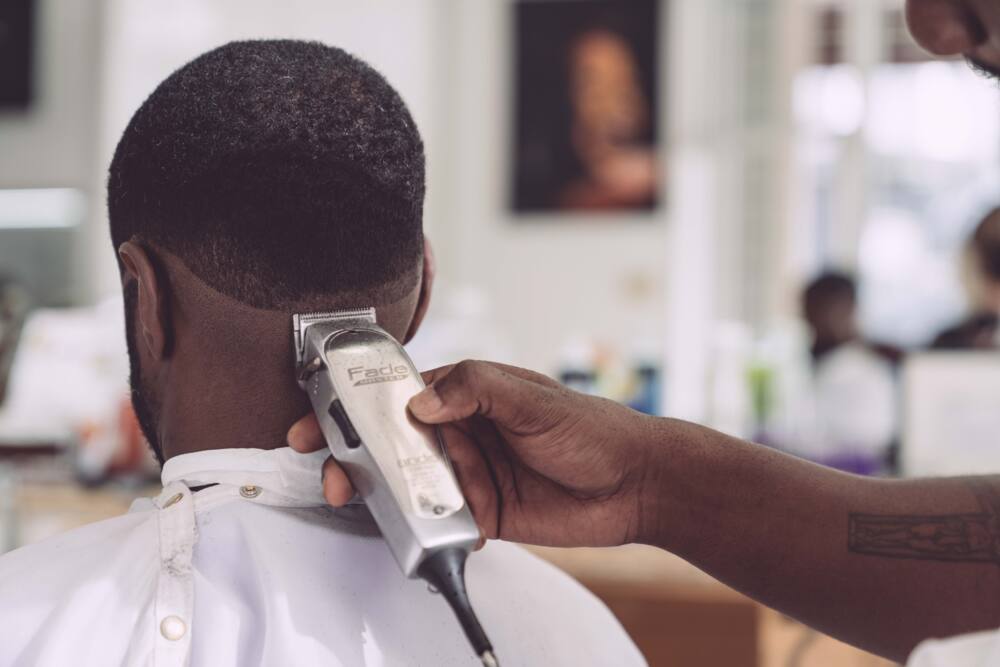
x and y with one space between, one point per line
982 281
854 393
907 569
828 305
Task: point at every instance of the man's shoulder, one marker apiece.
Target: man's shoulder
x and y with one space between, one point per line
975 332
61 593
981 648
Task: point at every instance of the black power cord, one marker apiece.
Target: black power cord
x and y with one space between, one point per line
445 572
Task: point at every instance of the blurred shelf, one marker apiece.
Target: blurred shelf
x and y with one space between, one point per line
44 510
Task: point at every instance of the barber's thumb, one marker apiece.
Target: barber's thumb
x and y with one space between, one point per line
427 406
470 388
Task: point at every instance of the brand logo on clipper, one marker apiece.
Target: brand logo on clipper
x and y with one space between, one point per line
360 375
411 461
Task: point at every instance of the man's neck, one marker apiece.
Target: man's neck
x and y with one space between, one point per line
230 380
229 403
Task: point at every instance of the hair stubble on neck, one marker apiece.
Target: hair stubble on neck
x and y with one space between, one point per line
228 381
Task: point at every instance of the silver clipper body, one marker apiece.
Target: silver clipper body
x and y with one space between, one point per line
359 380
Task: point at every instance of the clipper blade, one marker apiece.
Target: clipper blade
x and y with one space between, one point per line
301 322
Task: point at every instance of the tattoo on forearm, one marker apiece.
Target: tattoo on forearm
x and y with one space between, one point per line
967 538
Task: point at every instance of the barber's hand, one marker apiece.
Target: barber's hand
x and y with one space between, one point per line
538 463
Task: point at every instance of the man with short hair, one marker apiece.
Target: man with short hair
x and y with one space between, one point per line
979 330
846 415
828 305
262 179
969 28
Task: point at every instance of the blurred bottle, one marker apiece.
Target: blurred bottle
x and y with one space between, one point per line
578 365
730 402
14 306
646 394
647 398
9 519
762 380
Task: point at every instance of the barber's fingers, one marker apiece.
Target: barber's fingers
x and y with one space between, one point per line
433 375
477 387
523 373
337 488
305 435
470 455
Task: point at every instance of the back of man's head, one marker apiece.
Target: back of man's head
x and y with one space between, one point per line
261 179
985 245
279 172
828 288
828 303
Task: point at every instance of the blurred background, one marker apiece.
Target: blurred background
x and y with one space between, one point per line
775 217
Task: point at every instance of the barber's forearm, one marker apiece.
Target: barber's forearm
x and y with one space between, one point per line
881 564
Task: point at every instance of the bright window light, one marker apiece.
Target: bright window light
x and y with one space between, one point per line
830 99
933 111
41 208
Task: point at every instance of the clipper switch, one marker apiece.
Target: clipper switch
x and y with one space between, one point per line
344 424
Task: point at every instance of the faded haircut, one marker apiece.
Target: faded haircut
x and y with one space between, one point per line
278 172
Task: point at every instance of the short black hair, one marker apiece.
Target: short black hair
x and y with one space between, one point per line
985 245
277 171
827 288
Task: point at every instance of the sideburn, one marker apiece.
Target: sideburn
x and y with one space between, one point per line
140 395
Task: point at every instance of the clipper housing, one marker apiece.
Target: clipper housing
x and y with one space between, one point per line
359 380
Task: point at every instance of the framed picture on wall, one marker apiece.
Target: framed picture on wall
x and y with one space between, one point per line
586 96
16 53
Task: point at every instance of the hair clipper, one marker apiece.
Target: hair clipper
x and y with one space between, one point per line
359 380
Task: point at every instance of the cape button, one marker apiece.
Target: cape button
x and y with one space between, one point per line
249 491
173 628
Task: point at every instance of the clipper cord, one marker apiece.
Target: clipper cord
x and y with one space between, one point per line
445 571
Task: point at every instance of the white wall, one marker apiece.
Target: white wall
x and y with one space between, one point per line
51 144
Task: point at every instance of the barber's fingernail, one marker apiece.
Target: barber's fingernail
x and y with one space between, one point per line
427 402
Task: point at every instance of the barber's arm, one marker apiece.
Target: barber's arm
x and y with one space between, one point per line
882 564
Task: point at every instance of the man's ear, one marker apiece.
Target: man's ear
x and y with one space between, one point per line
152 301
426 286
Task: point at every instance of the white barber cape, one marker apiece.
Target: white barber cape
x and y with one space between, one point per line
981 649
257 570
